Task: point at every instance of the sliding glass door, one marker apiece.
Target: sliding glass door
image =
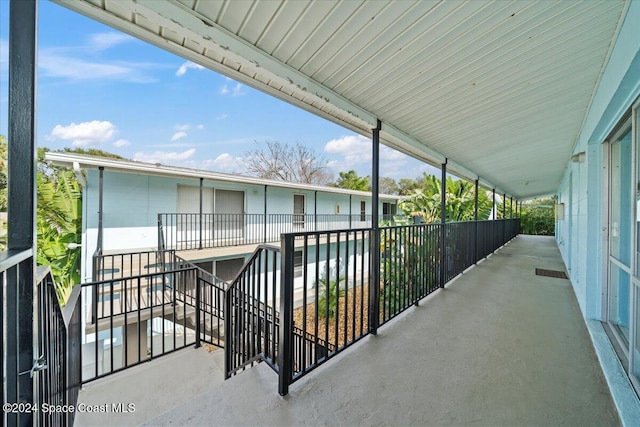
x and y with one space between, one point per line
623 257
620 231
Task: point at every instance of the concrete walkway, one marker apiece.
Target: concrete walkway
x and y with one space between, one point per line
498 346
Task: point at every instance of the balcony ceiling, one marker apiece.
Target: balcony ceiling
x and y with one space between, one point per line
500 89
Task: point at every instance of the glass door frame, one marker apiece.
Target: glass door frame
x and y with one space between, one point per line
630 121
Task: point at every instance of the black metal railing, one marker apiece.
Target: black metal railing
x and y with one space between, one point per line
59 352
409 266
113 266
326 282
251 317
324 297
131 320
144 305
194 231
16 278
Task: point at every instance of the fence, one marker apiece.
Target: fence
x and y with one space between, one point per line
204 231
252 327
59 355
332 296
147 304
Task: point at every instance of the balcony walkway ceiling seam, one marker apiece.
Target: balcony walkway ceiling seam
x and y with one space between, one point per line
499 89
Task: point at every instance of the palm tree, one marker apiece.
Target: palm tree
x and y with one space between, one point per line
426 201
59 224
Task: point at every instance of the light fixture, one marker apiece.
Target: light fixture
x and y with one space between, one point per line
579 158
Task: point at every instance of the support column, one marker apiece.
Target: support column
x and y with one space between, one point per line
374 283
20 339
265 222
504 205
315 209
511 207
100 209
475 217
200 217
443 220
350 196
493 209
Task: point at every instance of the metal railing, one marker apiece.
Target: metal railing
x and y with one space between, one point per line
325 294
16 277
329 298
194 231
146 305
113 266
251 318
59 352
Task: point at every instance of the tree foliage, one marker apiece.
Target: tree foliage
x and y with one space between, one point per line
58 217
537 217
92 152
352 181
291 163
388 186
58 224
460 202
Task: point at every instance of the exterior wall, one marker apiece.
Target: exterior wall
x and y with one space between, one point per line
132 202
580 235
583 235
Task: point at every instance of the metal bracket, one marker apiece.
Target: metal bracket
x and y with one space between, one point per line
39 364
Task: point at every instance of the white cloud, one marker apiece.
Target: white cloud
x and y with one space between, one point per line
222 116
121 143
58 64
226 163
237 90
183 128
200 127
85 134
176 136
102 41
354 152
356 149
167 157
184 67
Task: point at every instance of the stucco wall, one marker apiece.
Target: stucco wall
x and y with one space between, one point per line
580 235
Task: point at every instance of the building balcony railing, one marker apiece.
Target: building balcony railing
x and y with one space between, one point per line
293 306
186 231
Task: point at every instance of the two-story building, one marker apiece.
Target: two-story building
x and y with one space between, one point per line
213 219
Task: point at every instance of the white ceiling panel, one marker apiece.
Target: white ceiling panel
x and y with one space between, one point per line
498 88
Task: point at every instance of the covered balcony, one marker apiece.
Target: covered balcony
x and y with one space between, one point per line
499 345
443 323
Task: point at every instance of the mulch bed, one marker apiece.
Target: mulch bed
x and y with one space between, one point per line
345 319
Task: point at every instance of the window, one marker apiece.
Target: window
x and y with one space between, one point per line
297 264
298 210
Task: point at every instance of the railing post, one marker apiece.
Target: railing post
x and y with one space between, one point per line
374 284
229 320
198 306
443 220
285 349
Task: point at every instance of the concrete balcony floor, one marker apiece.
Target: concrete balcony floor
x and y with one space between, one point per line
498 346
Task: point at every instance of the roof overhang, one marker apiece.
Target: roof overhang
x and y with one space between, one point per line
83 162
499 89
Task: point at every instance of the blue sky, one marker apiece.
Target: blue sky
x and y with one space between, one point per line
99 88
